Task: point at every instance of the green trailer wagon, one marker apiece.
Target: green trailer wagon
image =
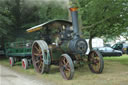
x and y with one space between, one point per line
19 51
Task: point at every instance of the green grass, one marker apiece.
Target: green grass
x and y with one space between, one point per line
122 59
115 71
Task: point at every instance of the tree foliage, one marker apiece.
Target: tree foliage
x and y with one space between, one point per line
100 18
104 17
18 15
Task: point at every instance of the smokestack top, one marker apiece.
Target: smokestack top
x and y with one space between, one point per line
73 9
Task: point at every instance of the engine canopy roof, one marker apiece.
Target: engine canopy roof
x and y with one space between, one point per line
52 23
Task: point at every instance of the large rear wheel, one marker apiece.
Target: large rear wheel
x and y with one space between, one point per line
39 53
37 58
66 67
96 63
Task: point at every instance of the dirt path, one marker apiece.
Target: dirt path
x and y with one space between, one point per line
9 77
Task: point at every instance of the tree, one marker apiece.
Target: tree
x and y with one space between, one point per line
125 35
52 10
5 22
16 16
103 17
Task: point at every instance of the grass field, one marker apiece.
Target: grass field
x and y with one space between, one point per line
123 59
115 73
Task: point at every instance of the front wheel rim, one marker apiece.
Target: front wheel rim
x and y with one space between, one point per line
96 63
66 67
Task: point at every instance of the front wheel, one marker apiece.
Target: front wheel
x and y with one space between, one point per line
66 67
96 62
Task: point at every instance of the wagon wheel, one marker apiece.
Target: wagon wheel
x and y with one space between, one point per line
96 63
37 58
66 67
11 61
25 63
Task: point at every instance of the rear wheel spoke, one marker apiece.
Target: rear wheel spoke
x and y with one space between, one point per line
37 61
37 54
40 64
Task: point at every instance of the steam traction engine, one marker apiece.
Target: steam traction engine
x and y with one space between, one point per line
60 44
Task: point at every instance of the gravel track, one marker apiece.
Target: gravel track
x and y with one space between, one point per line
10 77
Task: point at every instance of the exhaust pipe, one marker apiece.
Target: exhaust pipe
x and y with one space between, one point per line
74 14
77 45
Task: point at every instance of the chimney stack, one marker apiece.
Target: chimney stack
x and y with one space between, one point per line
74 15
